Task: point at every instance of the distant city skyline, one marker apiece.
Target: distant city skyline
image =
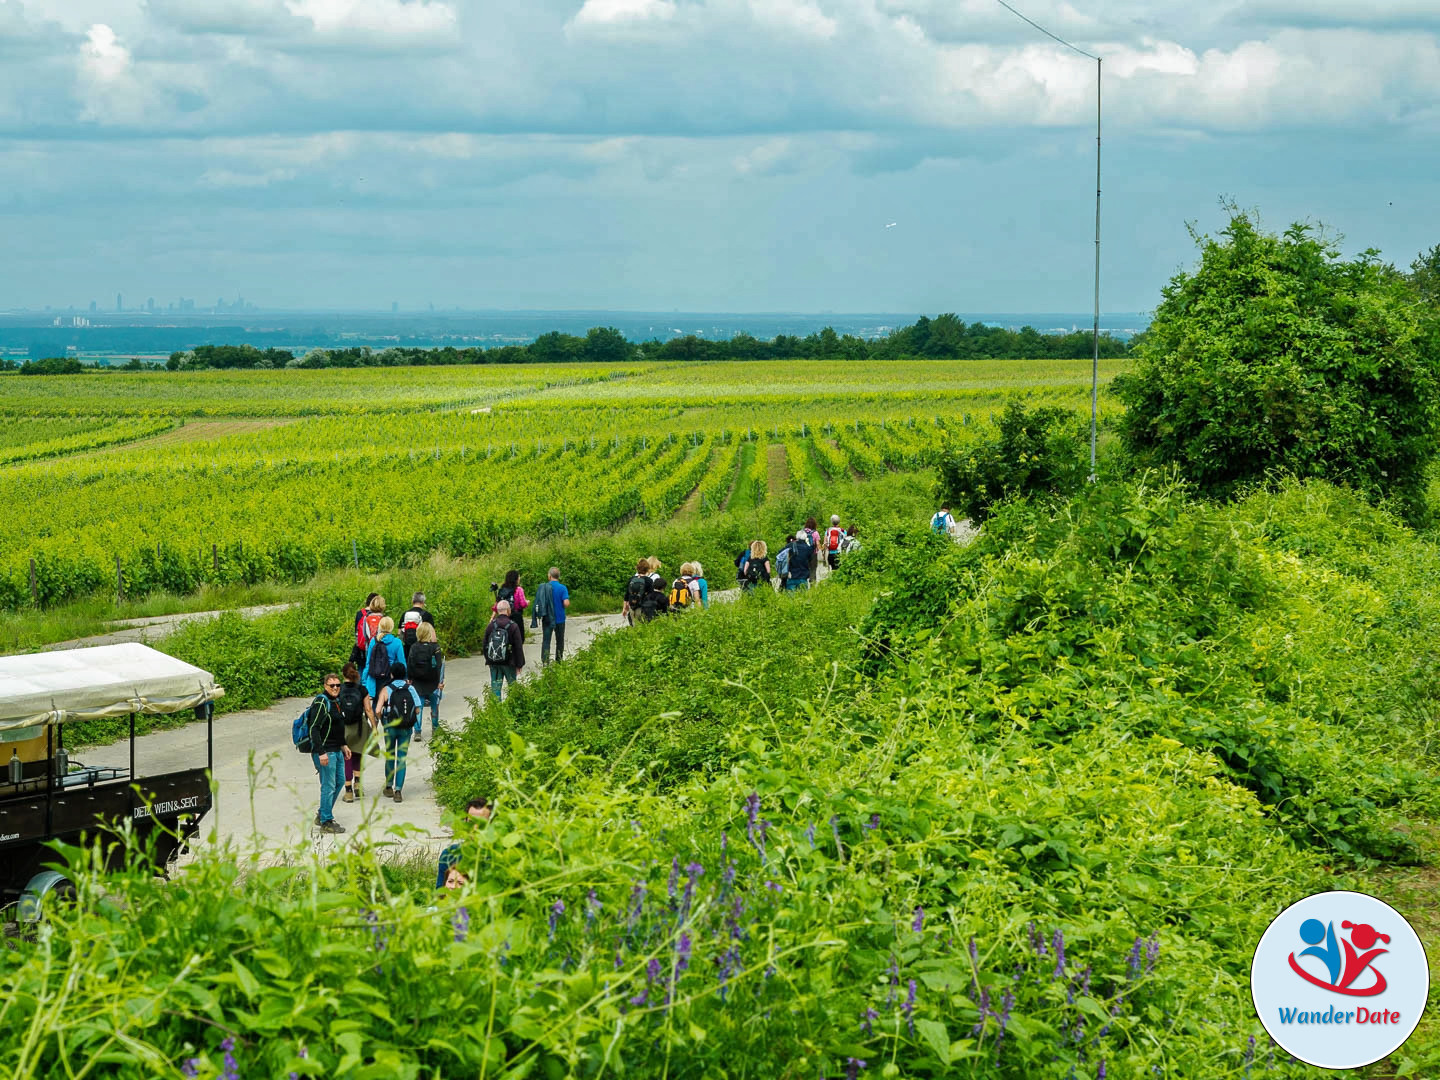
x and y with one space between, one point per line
705 155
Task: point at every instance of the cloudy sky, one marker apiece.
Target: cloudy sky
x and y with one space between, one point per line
725 155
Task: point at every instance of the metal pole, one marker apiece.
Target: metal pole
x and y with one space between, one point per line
132 747
1095 355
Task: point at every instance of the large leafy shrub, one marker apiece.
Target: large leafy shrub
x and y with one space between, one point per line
1039 451
1274 355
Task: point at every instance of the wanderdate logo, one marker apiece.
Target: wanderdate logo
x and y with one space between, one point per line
1318 957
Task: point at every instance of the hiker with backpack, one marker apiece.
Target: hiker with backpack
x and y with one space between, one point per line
426 665
797 557
683 594
512 593
552 602
357 650
504 649
645 595
410 622
382 655
356 714
398 708
942 522
698 583
812 537
834 542
326 735
757 567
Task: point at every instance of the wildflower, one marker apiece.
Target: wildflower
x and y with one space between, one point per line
853 1067
1152 952
1004 1019
682 953
461 924
190 1067
810 835
919 924
909 1008
1249 1056
232 1067
1037 940
835 831
724 842
867 1020
752 811
1085 981
774 887
894 972
872 824
637 905
1100 1072
592 909
1132 962
728 962
727 876
984 1011
556 910
1059 953
674 875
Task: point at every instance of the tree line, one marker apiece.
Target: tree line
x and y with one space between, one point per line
945 337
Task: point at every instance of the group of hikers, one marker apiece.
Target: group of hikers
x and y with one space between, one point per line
376 704
797 564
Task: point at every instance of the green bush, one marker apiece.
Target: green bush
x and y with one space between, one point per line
1276 356
1038 451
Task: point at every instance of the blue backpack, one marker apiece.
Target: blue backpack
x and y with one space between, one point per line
300 730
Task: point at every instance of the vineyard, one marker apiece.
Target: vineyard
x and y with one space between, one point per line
386 467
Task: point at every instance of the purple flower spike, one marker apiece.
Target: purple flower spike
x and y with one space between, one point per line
867 1020
774 887
909 1008
674 875
556 910
1152 952
984 1011
810 835
637 905
1059 942
1132 962
232 1067
853 1066
872 824
190 1067
894 972
1100 1073
1004 1019
919 924
461 924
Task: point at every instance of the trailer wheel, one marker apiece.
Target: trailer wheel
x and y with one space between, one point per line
44 891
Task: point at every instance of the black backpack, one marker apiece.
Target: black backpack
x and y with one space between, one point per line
351 703
424 662
755 571
379 667
400 707
507 593
636 589
497 645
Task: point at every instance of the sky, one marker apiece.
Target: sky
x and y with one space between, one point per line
702 155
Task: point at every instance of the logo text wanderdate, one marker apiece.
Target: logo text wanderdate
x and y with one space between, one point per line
1333 1015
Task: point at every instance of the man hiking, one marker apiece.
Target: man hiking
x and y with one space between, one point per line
834 542
398 707
942 522
552 601
802 556
504 649
413 617
328 751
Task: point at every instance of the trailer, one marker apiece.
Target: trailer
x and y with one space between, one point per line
46 797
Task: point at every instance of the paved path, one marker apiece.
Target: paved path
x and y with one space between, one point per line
155 627
278 810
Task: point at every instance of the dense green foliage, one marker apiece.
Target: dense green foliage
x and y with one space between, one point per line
1127 728
52 365
1274 355
1038 451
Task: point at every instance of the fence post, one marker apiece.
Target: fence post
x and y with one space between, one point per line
215 558
119 581
34 591
355 553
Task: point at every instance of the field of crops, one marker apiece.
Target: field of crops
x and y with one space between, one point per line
389 465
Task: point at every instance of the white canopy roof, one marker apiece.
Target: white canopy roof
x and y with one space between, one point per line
106 680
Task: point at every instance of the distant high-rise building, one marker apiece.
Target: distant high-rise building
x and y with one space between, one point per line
118 305
150 305
394 306
92 306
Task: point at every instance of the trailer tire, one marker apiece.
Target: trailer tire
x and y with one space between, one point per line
44 890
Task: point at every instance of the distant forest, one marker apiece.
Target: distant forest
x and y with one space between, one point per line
945 337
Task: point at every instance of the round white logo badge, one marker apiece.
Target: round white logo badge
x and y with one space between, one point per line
1340 980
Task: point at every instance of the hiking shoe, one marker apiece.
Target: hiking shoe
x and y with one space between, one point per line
417 737
388 792
332 826
349 795
399 797
317 821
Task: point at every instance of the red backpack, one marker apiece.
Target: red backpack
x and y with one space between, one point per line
832 538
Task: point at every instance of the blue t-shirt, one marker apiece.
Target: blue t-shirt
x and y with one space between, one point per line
558 595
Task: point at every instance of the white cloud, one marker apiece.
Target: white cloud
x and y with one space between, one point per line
604 12
800 16
405 17
103 57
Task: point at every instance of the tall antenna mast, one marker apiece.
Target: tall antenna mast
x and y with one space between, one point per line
1095 334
